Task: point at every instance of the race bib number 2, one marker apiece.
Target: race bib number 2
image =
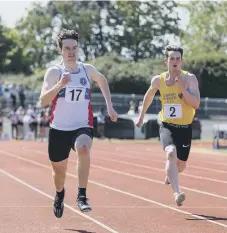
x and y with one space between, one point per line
173 111
75 94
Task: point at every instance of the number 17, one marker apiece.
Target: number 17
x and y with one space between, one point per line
73 94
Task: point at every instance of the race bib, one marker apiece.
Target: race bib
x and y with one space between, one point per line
173 111
74 94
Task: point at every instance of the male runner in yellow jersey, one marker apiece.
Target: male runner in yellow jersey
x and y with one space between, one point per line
180 97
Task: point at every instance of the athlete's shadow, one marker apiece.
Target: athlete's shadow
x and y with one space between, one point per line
207 217
80 231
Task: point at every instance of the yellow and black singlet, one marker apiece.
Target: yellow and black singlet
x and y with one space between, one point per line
174 110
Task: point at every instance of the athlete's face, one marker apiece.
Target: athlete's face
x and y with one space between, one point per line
69 50
174 60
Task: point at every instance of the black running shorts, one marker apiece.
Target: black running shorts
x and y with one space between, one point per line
61 142
178 135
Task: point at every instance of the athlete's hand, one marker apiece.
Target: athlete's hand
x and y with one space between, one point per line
65 78
140 121
112 114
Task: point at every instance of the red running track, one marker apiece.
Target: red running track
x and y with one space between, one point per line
126 191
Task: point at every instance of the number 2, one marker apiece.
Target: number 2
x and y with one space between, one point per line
73 94
172 111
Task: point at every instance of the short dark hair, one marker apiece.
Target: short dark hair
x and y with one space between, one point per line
175 48
66 34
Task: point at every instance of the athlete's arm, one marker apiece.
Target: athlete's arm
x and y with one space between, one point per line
148 98
104 86
51 86
192 93
102 82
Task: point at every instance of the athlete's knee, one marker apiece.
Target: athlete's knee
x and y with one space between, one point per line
59 174
59 168
171 152
83 150
83 144
181 165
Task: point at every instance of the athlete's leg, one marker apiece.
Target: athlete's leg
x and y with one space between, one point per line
59 172
172 174
183 148
82 144
59 148
183 145
166 138
171 167
181 165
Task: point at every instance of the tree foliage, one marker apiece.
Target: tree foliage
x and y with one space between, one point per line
12 57
139 28
134 30
207 30
211 71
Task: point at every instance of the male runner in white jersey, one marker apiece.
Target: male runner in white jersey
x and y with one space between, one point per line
68 87
180 97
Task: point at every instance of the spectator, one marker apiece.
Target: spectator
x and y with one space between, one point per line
14 123
13 95
21 95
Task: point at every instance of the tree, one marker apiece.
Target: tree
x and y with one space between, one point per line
12 58
88 21
206 31
138 29
135 30
36 32
40 27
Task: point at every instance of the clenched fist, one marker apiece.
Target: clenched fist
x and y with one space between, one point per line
140 121
65 78
112 114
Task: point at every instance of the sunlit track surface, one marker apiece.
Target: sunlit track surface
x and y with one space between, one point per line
126 190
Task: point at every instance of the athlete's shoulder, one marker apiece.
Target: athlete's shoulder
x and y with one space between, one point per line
53 73
90 69
163 75
93 73
156 77
190 76
155 81
53 70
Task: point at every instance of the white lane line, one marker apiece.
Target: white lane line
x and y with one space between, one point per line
52 198
117 172
126 193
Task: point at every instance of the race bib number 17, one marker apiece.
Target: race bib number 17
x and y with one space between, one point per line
173 111
74 94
